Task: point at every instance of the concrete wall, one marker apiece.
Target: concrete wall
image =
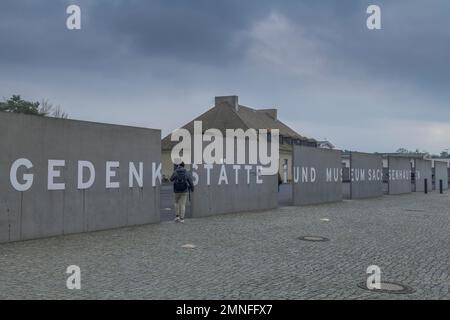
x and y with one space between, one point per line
441 172
346 190
422 171
285 172
167 164
346 174
399 175
244 194
366 175
310 183
40 212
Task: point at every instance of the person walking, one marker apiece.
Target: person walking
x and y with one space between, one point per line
182 185
280 182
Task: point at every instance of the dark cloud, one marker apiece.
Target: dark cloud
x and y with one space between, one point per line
316 60
414 43
201 31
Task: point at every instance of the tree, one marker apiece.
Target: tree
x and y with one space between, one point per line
402 150
49 110
417 151
16 104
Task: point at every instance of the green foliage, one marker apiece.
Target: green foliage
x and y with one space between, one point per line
17 105
402 150
406 151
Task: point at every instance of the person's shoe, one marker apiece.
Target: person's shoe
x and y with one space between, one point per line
182 220
177 219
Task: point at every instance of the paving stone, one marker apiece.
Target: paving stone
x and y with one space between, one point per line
248 255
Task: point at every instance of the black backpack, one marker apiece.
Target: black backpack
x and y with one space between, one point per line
180 183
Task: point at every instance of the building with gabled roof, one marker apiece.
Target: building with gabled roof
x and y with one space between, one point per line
227 113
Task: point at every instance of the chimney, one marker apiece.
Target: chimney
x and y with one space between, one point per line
270 112
232 101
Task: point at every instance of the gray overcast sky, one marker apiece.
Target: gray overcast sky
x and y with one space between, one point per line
160 63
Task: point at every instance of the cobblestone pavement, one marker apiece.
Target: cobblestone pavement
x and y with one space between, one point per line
248 256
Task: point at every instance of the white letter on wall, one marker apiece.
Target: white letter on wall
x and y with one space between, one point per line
236 173
248 169
53 173
111 174
134 175
258 175
223 175
208 168
313 174
156 174
28 178
85 185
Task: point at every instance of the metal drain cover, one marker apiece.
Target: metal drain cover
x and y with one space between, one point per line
389 287
313 238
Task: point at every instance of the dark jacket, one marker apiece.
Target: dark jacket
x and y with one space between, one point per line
189 183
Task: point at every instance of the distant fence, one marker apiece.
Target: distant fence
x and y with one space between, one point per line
317 175
441 173
423 175
366 175
399 175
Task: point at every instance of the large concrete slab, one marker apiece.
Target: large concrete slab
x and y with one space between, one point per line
317 175
423 172
399 175
441 172
228 189
41 212
346 190
366 175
